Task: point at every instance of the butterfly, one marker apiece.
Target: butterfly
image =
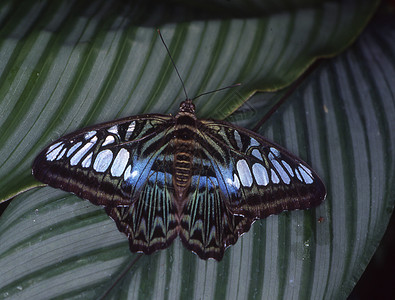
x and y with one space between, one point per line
162 176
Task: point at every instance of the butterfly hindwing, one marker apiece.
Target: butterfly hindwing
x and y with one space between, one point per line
106 164
207 226
149 222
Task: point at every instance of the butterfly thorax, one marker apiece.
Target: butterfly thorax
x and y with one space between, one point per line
184 144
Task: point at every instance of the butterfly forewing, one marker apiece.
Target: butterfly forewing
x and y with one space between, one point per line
257 177
107 164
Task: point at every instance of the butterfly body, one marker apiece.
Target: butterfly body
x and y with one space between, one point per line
184 145
161 176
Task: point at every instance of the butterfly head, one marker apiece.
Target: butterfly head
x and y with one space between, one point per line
187 106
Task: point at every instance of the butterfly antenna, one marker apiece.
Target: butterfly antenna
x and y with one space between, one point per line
214 91
174 65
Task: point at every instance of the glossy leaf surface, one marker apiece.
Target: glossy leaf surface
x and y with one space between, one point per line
340 122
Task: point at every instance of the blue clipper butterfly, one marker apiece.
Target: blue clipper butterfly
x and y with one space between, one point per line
161 176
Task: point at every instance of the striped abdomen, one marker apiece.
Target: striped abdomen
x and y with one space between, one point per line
182 167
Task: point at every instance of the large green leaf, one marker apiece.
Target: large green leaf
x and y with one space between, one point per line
53 244
66 65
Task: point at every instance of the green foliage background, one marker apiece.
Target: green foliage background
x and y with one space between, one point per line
68 64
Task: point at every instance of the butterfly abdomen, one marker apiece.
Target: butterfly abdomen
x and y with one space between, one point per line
182 168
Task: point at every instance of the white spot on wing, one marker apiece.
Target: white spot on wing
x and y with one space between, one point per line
254 142
53 146
120 162
284 176
130 130
87 161
54 151
298 175
61 154
80 153
308 171
109 140
130 174
274 176
89 134
113 129
238 139
257 154
260 174
270 155
275 152
103 161
234 183
306 177
127 174
244 173
72 149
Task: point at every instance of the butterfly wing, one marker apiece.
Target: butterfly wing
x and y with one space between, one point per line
258 178
150 221
106 164
207 226
238 177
